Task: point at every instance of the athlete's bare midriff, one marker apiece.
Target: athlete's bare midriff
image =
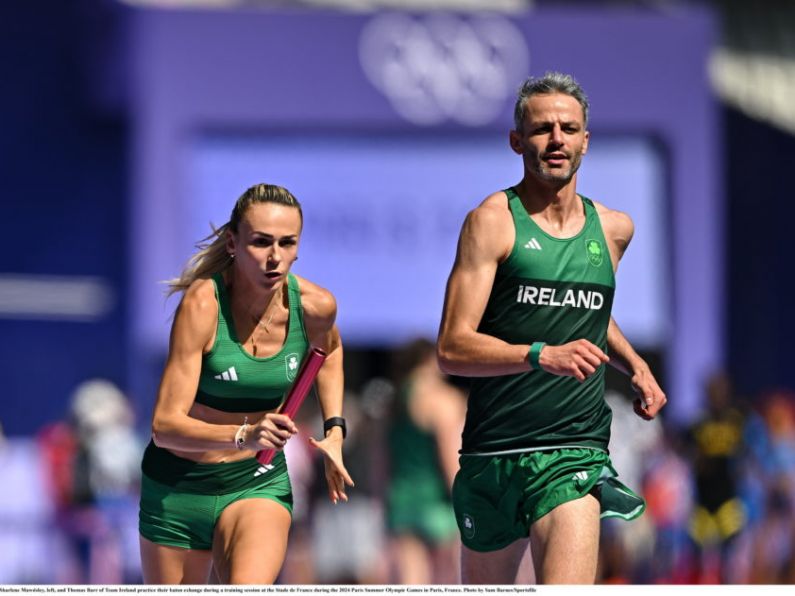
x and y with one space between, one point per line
213 416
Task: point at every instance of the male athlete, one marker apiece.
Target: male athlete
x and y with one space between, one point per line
527 314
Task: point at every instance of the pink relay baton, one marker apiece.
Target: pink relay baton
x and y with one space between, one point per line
297 392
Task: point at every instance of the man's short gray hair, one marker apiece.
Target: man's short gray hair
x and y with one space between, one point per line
551 82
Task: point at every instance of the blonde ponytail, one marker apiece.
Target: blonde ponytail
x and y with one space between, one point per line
211 258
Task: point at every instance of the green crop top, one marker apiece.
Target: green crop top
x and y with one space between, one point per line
232 380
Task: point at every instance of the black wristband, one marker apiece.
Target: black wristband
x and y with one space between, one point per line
335 421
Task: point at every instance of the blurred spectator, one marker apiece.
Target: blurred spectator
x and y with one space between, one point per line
28 554
668 490
302 461
719 516
93 469
626 548
315 553
424 438
772 559
348 543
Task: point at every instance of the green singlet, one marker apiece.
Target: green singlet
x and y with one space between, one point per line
556 291
418 500
232 380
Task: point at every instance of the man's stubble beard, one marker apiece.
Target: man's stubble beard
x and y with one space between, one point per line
546 175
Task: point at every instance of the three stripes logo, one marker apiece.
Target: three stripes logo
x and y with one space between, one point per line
229 374
533 244
263 469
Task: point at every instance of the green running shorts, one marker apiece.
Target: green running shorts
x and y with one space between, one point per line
182 500
498 497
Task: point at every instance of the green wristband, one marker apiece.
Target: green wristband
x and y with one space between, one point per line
535 353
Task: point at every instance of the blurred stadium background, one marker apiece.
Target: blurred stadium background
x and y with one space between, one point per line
130 126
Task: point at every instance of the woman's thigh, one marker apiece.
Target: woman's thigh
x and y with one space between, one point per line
250 541
174 565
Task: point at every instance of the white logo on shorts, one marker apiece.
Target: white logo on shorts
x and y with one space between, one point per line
262 469
580 476
469 525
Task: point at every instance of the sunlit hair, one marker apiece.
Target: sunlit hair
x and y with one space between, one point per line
551 82
212 256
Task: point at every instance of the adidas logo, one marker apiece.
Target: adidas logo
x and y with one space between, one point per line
533 244
228 375
580 476
262 469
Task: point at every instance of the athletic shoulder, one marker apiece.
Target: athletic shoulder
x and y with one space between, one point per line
318 303
437 403
197 316
493 209
616 224
618 229
490 223
199 299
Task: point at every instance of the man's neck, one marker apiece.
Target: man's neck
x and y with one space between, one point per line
538 196
556 205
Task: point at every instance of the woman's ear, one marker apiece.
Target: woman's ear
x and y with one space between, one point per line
230 243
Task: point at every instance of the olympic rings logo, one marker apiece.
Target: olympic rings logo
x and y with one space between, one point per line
443 66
